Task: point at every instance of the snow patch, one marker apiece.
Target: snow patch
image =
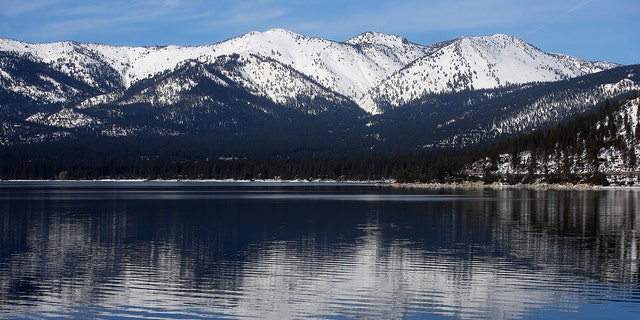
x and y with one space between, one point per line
65 118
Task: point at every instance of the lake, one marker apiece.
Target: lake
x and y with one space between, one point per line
194 250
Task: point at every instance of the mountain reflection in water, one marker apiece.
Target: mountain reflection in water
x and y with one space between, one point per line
236 251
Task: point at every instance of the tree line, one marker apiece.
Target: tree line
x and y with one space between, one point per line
576 141
417 167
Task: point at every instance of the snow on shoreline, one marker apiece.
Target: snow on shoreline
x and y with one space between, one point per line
501 186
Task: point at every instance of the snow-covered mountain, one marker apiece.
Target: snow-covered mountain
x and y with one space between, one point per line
476 63
372 69
361 88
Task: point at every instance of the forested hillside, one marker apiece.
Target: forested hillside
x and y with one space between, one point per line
599 148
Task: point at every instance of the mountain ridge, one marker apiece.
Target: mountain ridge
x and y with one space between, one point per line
364 68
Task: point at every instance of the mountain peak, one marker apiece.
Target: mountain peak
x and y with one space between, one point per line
275 33
498 38
500 47
377 38
502 36
280 31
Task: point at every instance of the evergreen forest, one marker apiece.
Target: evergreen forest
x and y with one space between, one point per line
575 147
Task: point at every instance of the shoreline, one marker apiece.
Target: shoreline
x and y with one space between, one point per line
203 181
467 185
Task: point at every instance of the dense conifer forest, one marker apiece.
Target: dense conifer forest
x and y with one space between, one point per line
403 168
587 149
568 153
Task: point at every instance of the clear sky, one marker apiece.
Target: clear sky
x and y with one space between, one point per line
589 29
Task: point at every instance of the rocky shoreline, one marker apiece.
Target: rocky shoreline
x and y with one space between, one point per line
468 185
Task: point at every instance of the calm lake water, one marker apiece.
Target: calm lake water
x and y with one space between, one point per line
280 251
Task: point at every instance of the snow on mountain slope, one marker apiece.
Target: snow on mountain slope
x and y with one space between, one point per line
372 69
280 83
48 90
65 118
341 67
586 66
477 63
545 108
260 76
627 121
607 144
551 107
24 81
338 66
131 64
71 58
350 68
380 47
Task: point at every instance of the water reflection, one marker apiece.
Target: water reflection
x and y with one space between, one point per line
322 252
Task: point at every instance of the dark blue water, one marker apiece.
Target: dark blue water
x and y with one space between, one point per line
280 251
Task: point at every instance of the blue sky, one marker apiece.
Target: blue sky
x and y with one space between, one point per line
589 29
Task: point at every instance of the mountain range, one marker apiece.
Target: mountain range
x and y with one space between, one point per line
278 93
